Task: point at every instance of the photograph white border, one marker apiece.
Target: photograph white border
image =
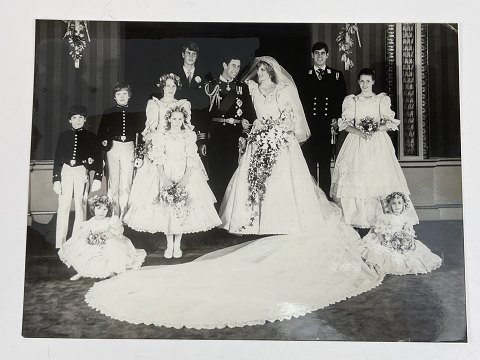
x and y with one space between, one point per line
17 66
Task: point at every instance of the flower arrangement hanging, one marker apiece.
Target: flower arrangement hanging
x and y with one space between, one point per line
77 36
345 40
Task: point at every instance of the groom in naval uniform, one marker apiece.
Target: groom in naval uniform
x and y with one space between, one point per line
231 114
323 93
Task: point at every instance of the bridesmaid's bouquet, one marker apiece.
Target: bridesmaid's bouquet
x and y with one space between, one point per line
400 241
97 238
176 198
368 125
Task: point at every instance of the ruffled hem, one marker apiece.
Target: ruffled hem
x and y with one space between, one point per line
94 304
155 231
418 261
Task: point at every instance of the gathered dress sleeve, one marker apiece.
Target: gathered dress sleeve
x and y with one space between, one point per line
386 112
156 150
153 114
348 113
191 149
292 112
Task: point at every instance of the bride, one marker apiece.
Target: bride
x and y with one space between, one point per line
272 191
315 263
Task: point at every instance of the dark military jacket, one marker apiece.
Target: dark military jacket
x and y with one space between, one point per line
120 124
75 148
322 100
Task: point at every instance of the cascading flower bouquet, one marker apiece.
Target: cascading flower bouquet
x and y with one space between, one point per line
176 198
267 139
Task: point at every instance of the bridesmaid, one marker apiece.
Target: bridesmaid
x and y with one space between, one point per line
367 169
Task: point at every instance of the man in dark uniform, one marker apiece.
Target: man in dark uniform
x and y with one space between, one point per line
323 93
192 89
231 113
77 153
119 130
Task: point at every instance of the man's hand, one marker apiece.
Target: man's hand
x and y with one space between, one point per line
202 149
57 187
96 185
246 125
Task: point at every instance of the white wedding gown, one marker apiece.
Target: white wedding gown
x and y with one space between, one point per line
273 278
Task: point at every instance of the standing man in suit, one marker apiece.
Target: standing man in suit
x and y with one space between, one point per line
192 89
231 113
323 93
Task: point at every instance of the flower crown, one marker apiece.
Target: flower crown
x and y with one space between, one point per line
395 195
163 79
101 200
181 106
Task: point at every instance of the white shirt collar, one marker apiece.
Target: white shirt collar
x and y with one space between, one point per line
186 71
316 67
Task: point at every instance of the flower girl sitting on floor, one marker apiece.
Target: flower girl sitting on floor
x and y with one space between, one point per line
391 245
173 196
99 249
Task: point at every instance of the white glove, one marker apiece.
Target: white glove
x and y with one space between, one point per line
202 149
96 185
138 163
57 187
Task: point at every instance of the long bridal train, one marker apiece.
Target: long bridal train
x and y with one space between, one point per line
273 278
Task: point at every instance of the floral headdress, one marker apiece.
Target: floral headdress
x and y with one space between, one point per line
101 200
181 106
394 195
163 79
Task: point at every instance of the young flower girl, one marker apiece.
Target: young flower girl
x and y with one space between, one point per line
175 198
391 245
99 249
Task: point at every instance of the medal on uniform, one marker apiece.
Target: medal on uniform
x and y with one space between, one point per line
123 137
228 86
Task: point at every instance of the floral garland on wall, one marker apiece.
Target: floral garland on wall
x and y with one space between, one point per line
77 34
346 41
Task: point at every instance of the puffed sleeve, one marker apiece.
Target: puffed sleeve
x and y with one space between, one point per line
153 113
386 112
348 113
156 148
115 225
191 149
294 117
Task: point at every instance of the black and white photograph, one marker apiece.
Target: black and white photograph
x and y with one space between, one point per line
268 182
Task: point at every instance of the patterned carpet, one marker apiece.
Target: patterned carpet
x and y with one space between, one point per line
422 308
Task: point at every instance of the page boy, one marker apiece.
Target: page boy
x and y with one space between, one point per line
119 129
76 154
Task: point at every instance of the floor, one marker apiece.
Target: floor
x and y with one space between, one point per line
422 308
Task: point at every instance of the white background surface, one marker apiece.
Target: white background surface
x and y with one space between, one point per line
17 40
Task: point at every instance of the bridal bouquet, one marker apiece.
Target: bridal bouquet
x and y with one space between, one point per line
368 125
97 238
176 198
268 139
